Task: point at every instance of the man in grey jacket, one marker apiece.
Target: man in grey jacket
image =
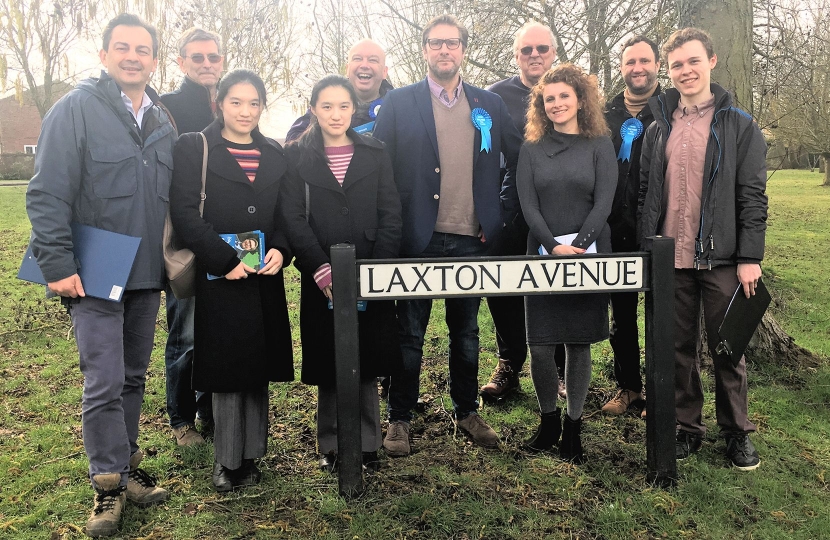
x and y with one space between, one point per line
105 160
702 182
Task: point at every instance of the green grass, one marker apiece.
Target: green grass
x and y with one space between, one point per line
447 488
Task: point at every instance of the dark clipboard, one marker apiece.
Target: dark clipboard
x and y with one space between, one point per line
105 260
741 320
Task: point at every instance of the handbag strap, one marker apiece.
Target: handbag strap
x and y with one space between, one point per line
307 201
204 173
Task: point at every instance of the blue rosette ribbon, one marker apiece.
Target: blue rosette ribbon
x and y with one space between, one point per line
630 131
483 123
374 108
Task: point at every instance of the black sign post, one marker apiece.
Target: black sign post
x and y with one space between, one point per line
441 278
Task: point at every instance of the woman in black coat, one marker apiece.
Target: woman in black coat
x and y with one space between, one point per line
242 335
340 189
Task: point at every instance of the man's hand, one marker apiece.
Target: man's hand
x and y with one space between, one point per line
69 286
563 249
240 272
748 275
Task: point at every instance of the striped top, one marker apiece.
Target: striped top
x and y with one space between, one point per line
339 159
247 155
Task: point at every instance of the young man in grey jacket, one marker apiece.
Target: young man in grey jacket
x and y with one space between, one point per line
105 158
703 180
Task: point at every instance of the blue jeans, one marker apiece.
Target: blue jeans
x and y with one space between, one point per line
462 322
182 402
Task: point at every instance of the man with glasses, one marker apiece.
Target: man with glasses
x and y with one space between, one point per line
534 53
445 138
192 107
366 70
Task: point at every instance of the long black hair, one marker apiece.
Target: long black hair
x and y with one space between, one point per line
239 76
310 142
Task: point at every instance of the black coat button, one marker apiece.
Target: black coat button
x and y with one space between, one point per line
344 211
251 209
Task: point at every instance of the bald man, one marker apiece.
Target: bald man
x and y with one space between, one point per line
366 71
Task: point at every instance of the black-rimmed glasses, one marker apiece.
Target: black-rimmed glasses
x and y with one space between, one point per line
436 44
527 51
198 58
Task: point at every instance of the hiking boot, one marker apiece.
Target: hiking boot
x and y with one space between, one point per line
479 431
741 452
187 435
547 434
621 402
570 449
397 439
141 487
109 501
503 382
686 444
328 462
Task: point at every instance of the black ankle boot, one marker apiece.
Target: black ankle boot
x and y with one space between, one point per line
570 449
547 434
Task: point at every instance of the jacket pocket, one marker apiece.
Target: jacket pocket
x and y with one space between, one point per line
164 172
112 171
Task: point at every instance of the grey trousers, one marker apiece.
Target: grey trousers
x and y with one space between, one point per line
114 344
369 417
240 426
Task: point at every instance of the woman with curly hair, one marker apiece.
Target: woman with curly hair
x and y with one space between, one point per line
566 180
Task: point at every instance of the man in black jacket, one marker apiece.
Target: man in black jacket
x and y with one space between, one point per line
192 107
367 72
702 182
628 116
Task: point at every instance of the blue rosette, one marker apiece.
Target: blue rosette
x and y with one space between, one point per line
483 123
630 131
374 108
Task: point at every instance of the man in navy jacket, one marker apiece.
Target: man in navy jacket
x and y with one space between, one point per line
454 204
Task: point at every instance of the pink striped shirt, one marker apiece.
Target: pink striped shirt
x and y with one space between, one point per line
248 159
339 159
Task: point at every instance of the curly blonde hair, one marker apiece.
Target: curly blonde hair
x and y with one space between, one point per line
590 118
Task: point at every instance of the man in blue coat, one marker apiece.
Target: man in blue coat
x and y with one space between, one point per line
445 138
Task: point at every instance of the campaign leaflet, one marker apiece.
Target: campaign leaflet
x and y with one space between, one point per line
249 246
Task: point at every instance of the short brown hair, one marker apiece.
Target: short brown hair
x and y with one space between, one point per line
685 35
448 20
198 34
630 42
590 118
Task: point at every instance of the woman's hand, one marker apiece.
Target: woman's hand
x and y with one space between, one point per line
562 249
327 292
273 263
240 272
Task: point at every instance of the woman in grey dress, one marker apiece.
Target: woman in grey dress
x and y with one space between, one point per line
566 179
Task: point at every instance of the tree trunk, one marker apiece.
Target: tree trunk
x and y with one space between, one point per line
729 22
826 171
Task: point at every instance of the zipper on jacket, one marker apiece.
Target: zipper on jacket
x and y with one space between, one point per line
699 240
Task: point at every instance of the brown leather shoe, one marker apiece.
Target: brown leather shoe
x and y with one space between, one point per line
503 382
478 430
187 436
396 442
621 402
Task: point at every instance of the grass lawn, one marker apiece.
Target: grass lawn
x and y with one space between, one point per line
447 488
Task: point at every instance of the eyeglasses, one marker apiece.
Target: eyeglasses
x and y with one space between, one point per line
198 58
527 51
436 44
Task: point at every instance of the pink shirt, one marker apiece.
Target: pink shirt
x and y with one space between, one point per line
339 159
686 159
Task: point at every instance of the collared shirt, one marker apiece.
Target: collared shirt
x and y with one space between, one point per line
439 92
686 161
146 103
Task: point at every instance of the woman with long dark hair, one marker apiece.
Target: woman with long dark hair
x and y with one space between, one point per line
340 189
242 336
566 179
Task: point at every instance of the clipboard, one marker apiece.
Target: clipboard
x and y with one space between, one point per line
741 320
105 260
